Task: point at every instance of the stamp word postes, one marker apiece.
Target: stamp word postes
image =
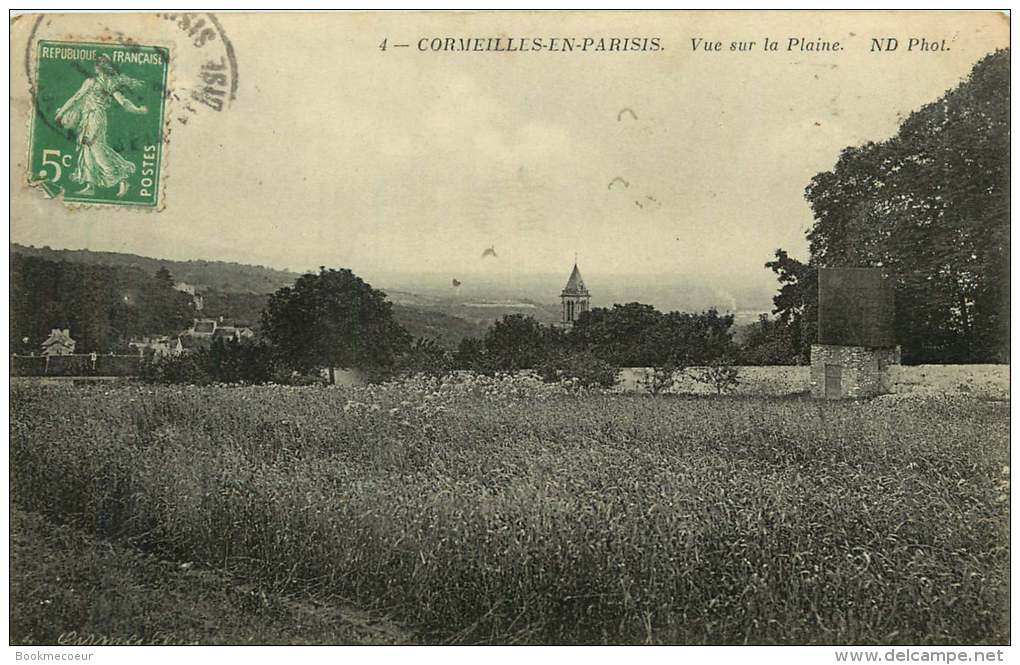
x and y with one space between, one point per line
97 128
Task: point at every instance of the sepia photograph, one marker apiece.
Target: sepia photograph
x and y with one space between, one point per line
510 328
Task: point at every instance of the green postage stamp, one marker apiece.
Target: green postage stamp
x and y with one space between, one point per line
97 127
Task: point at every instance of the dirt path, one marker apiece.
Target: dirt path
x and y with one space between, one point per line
70 588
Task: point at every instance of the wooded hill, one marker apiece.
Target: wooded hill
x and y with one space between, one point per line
103 306
205 275
106 298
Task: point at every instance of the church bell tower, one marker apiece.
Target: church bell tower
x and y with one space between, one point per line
574 298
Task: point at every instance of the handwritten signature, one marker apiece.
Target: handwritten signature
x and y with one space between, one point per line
74 638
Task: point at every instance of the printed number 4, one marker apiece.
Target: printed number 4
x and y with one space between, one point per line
382 46
55 163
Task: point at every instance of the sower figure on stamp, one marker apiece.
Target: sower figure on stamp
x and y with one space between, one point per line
96 163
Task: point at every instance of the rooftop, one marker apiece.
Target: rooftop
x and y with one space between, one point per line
205 327
575 285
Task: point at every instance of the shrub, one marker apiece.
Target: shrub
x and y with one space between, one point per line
661 379
583 367
190 368
472 357
721 375
233 361
424 357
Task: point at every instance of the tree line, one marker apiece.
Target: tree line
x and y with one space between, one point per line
930 207
103 306
627 335
334 319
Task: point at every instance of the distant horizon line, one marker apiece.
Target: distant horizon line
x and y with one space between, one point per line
396 271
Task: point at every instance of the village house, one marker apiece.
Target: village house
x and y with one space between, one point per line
59 343
200 335
203 331
201 328
157 346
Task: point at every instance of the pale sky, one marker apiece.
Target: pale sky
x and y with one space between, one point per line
336 153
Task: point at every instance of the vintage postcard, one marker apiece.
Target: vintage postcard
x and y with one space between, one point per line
511 328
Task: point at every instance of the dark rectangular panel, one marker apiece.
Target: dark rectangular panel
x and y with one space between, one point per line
855 307
833 381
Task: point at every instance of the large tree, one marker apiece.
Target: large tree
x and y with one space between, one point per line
638 335
688 338
515 342
622 334
332 319
796 304
768 341
930 206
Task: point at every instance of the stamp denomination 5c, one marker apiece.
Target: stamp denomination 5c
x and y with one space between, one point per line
98 122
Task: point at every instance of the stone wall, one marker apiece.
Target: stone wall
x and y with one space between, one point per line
81 364
774 380
859 371
983 381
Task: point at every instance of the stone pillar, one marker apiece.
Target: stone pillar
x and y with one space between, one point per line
849 372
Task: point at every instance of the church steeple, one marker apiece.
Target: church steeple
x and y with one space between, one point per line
574 298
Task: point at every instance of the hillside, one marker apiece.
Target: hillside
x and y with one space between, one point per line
217 275
48 286
480 310
418 320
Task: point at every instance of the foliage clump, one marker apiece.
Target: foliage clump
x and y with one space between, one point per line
584 369
930 207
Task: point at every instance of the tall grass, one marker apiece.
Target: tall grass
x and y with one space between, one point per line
503 512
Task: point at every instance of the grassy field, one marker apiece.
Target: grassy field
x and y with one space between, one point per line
506 511
74 589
